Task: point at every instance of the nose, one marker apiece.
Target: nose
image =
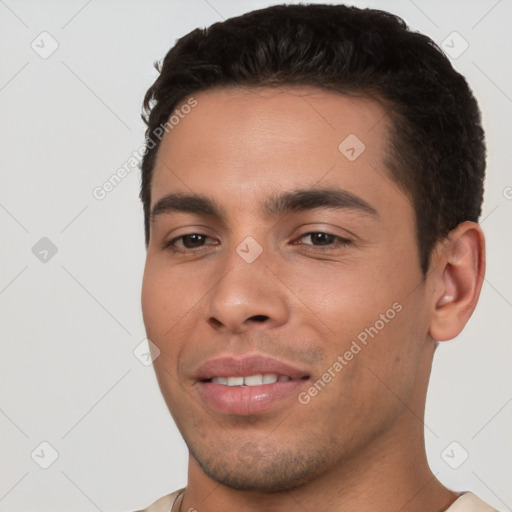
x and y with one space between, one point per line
247 296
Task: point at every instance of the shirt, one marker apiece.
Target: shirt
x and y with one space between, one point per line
468 502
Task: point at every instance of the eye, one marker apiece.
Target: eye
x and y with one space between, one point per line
320 241
189 242
325 241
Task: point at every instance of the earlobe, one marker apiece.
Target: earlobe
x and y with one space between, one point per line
458 279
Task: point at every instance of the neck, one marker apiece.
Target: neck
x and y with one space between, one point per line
390 474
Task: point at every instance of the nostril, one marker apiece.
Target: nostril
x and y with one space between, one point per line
215 322
259 318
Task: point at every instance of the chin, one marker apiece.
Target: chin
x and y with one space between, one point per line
262 469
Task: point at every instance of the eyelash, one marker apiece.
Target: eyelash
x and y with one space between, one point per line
341 242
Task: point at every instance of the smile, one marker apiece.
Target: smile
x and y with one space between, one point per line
251 380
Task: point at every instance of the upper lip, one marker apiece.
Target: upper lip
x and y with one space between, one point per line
231 366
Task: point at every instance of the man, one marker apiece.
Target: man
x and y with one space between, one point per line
311 188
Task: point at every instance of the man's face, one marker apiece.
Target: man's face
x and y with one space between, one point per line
267 282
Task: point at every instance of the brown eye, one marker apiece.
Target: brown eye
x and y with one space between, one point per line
321 238
186 242
325 241
192 241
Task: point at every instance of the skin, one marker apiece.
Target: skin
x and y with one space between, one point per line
359 443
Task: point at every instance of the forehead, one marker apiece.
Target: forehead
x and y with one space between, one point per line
237 141
225 117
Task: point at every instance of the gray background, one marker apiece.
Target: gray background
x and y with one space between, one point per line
70 321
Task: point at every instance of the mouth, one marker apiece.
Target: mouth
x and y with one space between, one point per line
249 385
251 380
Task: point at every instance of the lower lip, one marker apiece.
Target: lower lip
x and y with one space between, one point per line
248 400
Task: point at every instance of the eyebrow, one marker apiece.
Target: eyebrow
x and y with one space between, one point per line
279 204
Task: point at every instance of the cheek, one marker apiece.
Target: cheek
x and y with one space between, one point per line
153 302
170 300
392 356
376 378
345 298
370 319
164 307
166 298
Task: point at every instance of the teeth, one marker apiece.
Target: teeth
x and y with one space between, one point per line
254 380
251 380
235 381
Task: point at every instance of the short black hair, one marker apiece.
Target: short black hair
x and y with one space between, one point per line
436 144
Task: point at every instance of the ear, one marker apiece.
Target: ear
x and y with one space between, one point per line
456 280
